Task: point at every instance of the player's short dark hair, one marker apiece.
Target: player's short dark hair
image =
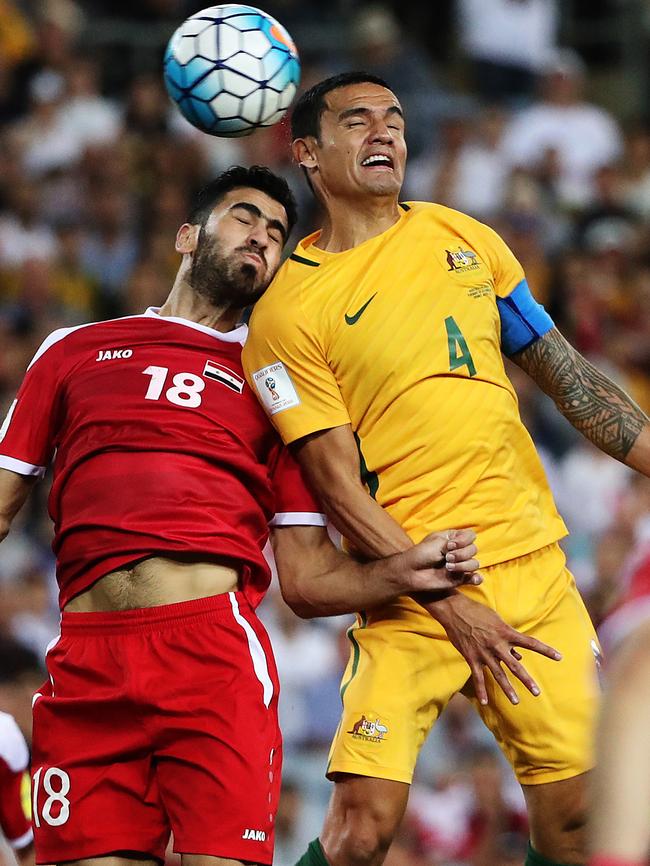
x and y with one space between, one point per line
257 177
305 119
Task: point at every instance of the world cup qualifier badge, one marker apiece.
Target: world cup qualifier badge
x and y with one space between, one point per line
365 729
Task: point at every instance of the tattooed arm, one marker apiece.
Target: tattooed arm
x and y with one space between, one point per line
595 406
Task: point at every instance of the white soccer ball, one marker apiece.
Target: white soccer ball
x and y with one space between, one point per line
231 69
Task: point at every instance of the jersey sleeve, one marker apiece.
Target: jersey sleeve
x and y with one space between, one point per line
27 435
15 800
523 319
295 504
287 369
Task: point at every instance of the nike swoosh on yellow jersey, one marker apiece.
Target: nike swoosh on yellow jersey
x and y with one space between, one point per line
352 320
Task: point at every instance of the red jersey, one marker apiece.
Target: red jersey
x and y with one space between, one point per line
159 448
15 801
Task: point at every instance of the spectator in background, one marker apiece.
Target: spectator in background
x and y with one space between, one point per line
109 250
23 235
305 655
468 815
635 171
467 171
91 118
562 138
21 674
45 141
508 43
15 800
17 43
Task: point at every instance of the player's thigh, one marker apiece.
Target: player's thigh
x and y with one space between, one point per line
93 784
549 738
219 751
401 674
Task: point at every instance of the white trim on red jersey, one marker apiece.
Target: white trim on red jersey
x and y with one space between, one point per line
20 467
299 518
238 335
13 748
22 841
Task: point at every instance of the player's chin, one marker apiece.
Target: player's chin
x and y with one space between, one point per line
253 284
386 183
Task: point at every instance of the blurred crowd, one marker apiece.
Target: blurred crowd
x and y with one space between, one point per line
98 169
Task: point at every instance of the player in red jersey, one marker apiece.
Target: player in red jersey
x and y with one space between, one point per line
15 810
160 708
620 814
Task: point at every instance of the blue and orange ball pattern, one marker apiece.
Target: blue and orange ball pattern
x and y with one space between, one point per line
231 69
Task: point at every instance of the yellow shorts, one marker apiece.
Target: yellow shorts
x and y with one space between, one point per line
403 671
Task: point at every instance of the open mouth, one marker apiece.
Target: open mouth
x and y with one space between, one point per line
378 161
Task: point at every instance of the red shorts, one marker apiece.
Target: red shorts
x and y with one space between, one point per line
153 720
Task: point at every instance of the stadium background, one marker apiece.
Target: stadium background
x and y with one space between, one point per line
532 115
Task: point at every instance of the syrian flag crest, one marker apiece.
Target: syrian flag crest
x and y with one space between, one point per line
224 375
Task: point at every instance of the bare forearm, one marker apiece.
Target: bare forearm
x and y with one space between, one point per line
375 534
317 579
369 529
14 489
346 587
594 404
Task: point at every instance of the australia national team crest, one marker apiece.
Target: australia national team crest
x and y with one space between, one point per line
462 259
366 729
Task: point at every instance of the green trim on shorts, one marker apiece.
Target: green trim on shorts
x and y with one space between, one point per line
356 650
356 653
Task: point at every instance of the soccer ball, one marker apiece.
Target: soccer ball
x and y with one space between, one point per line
231 69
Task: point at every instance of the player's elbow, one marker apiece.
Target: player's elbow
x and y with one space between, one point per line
295 599
5 525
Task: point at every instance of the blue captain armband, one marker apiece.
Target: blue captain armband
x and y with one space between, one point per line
523 320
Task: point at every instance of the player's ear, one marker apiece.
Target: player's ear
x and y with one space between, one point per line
186 238
304 153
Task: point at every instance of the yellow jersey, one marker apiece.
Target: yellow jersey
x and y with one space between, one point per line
401 337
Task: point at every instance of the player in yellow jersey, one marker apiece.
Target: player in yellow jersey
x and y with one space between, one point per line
377 351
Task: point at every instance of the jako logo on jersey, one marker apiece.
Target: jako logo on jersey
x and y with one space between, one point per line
254 835
111 354
224 375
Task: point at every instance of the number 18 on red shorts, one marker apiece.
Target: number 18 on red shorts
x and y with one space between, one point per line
157 720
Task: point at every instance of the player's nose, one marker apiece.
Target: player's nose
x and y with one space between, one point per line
380 132
259 236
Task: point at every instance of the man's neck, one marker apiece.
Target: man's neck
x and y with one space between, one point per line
184 303
349 223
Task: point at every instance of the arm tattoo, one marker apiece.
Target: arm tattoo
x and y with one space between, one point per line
595 406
